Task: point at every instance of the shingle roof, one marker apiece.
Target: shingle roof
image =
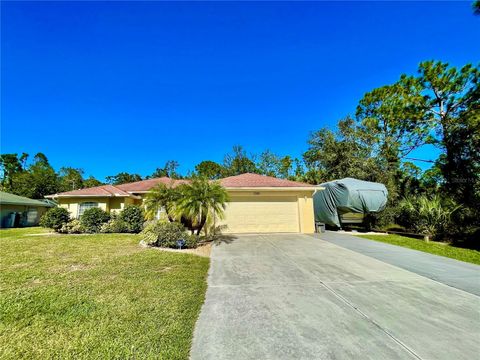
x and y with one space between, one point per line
102 190
145 185
11 199
239 181
256 180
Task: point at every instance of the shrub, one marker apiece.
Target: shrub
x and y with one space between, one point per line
55 218
191 242
164 234
114 225
430 216
133 216
72 227
92 219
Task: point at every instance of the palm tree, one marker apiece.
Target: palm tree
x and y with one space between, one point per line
161 196
199 200
429 215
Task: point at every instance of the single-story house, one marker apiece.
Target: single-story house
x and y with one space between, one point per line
19 211
257 203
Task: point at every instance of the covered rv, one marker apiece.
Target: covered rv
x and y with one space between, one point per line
348 196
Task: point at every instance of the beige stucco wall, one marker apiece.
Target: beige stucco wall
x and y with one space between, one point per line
116 205
71 204
270 201
30 220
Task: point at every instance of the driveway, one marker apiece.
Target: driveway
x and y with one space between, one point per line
295 296
458 274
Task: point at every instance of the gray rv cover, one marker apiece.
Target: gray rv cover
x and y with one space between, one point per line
348 195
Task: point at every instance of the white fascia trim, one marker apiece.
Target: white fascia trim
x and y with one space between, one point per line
250 188
270 188
87 196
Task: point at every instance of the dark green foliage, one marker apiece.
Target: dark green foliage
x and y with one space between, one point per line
37 178
123 178
10 164
476 7
38 181
191 242
70 179
93 219
427 215
91 182
210 170
164 233
133 216
55 218
169 170
238 162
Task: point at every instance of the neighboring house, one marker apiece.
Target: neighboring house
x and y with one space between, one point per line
19 211
257 203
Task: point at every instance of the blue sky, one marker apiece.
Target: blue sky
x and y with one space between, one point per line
122 86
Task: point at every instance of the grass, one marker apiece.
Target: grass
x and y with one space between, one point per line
96 297
442 249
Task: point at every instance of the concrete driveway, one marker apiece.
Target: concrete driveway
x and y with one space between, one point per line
458 274
298 297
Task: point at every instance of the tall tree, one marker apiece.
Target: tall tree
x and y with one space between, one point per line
334 155
210 170
476 7
285 167
168 170
238 162
452 104
40 179
123 178
10 164
268 163
392 121
91 182
70 179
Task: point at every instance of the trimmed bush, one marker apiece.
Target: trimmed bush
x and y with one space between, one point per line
191 242
164 234
55 218
133 216
115 226
72 227
93 219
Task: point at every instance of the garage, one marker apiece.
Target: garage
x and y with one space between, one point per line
261 214
264 204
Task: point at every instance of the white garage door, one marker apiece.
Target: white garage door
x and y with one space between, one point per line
252 214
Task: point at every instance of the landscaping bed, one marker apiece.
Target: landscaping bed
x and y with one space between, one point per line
96 296
437 248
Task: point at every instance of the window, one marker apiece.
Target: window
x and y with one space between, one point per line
84 206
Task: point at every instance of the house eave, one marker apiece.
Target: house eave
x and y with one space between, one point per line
271 188
56 196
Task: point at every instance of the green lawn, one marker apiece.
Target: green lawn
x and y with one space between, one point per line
461 254
96 297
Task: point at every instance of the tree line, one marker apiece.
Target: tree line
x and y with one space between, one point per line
437 106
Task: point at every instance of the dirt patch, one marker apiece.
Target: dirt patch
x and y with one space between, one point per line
201 250
70 268
43 234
